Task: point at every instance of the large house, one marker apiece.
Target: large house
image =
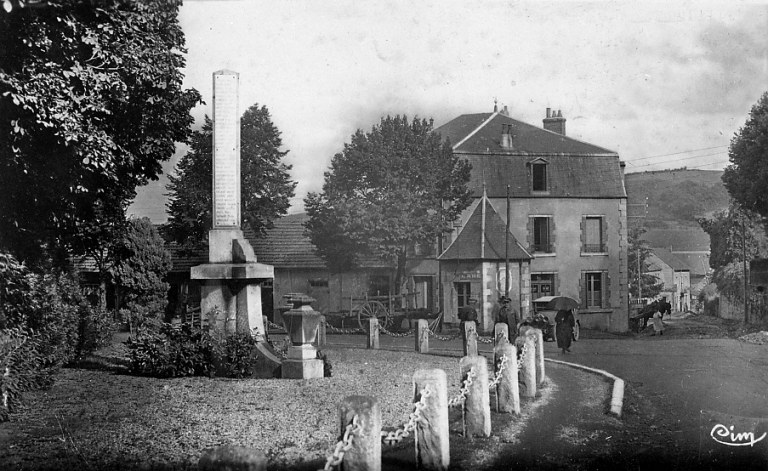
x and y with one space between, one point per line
675 274
568 211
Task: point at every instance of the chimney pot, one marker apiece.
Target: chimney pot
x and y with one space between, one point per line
549 112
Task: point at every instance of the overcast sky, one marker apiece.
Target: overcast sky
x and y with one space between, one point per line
665 85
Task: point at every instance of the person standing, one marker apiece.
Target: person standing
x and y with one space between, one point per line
505 314
658 324
564 323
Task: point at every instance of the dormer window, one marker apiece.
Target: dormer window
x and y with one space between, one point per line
539 177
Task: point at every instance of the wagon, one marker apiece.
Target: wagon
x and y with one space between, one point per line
387 309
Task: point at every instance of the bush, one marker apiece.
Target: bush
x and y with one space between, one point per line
164 350
167 351
238 355
23 367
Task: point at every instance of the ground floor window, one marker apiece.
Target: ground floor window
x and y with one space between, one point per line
593 283
542 284
463 293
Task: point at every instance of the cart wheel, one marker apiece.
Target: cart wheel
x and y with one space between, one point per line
373 309
576 331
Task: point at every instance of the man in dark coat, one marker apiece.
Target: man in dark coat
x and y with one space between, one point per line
564 323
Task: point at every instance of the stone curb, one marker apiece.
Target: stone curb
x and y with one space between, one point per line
617 397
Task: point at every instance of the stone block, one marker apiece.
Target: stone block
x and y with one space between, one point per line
302 369
373 333
469 338
365 453
232 458
422 336
302 352
507 390
431 437
477 407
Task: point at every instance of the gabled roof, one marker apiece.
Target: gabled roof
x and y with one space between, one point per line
474 243
481 133
671 259
283 246
575 169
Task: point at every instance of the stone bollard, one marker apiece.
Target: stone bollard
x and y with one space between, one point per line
527 375
231 457
469 337
422 336
500 333
373 333
365 452
477 407
322 330
507 391
432 446
541 377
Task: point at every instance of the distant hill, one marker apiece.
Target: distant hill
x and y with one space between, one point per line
676 198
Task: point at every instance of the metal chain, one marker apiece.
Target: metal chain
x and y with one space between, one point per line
459 400
337 330
483 339
502 337
444 338
394 334
522 356
274 326
499 373
396 436
343 445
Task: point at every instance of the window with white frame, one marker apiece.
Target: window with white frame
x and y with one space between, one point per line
593 289
542 236
594 239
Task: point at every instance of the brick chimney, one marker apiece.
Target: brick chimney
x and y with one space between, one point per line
554 121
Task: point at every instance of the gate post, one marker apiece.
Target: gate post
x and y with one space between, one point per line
432 444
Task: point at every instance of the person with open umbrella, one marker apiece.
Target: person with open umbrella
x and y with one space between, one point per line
564 323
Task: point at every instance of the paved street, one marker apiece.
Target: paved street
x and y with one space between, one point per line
694 383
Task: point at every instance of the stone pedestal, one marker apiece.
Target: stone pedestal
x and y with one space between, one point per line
302 323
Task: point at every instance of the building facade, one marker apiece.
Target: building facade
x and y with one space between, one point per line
567 209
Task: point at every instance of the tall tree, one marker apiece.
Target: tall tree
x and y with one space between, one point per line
747 176
140 274
91 104
640 281
266 187
389 189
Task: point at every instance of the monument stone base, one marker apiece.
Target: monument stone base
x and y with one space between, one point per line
302 369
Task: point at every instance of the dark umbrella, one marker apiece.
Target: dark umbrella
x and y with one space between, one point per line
562 303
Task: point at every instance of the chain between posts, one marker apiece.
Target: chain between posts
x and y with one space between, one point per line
523 351
343 445
444 338
483 339
394 334
337 330
396 436
459 400
500 373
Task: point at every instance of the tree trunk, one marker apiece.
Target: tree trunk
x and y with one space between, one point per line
402 260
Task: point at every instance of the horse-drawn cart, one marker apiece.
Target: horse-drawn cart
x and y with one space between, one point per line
390 310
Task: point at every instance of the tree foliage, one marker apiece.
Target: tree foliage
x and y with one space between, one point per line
637 256
144 264
389 189
747 176
266 187
91 104
736 237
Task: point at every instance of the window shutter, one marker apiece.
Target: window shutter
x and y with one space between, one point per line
555 291
604 235
583 233
583 289
552 237
606 280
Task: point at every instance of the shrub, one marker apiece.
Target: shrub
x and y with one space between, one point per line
23 367
168 351
238 355
165 350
